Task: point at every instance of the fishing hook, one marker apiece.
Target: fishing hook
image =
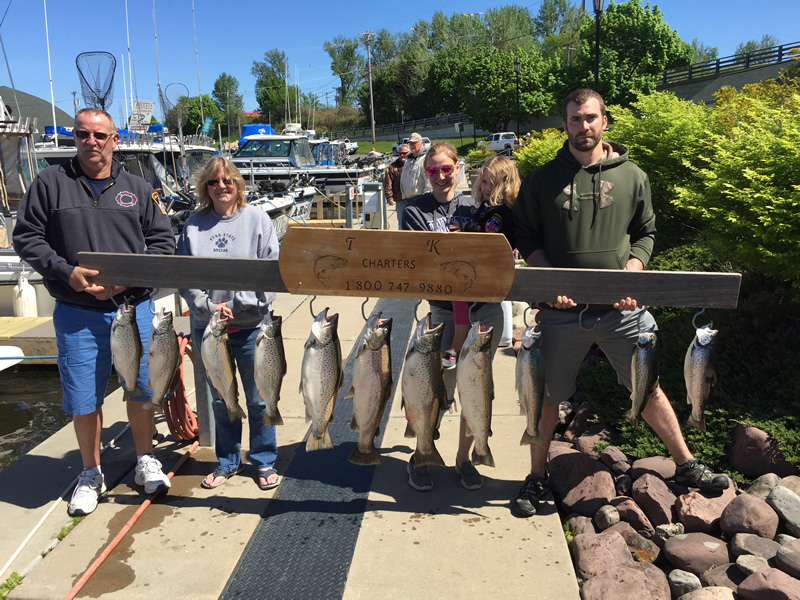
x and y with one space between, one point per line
416 306
697 314
580 319
111 296
363 304
311 306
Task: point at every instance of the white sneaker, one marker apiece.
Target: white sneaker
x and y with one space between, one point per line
87 492
150 475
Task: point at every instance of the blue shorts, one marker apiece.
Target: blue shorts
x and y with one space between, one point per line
83 336
565 343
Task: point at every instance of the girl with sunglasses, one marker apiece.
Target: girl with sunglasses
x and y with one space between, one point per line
226 226
495 191
444 209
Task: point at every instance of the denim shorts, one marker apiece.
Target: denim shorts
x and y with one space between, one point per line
83 336
566 340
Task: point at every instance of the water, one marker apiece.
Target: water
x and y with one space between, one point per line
30 408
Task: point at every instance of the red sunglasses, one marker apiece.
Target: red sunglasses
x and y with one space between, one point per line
433 170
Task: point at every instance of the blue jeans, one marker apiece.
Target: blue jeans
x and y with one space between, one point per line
83 337
263 441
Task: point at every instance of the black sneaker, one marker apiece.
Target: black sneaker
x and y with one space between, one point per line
533 490
695 473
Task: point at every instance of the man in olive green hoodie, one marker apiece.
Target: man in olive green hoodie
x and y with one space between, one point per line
590 208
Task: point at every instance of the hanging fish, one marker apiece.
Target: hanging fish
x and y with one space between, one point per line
126 348
699 374
530 384
644 374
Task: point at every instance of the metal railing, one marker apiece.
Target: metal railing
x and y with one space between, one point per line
728 64
404 126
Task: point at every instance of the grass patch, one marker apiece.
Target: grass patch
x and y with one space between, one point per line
13 581
69 527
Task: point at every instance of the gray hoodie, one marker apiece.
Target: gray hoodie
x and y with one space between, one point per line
247 233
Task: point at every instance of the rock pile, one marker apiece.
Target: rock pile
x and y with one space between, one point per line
638 534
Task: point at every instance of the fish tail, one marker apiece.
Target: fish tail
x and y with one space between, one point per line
429 458
275 419
320 442
483 459
529 440
357 457
236 413
697 423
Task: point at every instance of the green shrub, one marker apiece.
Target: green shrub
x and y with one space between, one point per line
746 187
479 154
541 147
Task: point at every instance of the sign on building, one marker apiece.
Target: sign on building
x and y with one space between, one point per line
141 115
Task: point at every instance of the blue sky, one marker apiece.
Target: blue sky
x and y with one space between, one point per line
233 33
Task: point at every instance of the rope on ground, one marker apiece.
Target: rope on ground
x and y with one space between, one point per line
125 528
181 420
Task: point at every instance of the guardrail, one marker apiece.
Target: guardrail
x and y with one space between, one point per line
395 128
728 64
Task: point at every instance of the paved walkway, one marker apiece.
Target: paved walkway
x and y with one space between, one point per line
194 542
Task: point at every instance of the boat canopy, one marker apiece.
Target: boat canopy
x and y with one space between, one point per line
255 129
295 149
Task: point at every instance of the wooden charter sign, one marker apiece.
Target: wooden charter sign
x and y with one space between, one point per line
396 264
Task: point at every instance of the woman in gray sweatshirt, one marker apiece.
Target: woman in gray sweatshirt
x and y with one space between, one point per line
226 226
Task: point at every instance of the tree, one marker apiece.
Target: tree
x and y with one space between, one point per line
271 74
510 27
229 100
754 47
189 109
702 53
636 45
346 64
557 27
384 49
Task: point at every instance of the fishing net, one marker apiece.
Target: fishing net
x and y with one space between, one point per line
96 71
176 115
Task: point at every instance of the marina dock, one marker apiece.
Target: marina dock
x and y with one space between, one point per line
331 530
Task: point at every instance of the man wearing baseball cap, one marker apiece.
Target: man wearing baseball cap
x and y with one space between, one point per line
413 181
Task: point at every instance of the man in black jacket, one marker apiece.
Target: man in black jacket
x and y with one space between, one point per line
91 204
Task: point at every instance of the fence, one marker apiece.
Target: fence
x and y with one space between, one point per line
398 128
728 64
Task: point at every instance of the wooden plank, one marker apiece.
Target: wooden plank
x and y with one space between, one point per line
397 264
653 288
148 270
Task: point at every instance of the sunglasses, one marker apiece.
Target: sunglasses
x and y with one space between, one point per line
445 169
404 154
224 181
84 135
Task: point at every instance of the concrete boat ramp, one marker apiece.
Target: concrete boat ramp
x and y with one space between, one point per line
331 530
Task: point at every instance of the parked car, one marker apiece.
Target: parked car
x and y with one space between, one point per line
350 147
426 143
504 142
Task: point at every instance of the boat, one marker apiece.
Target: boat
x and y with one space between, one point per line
266 159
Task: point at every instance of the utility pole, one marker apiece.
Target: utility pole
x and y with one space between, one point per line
368 42
75 101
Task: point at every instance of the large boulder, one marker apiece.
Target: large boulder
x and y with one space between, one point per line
788 558
581 483
641 549
630 512
701 512
580 524
728 575
787 504
654 498
791 482
748 543
655 465
696 552
710 593
615 459
682 582
769 584
748 513
755 452
593 554
628 582
762 486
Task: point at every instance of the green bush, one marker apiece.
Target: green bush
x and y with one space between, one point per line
479 154
541 147
746 185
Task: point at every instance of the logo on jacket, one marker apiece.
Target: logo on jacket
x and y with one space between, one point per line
495 224
126 199
221 241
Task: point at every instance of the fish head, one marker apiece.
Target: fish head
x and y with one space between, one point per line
125 314
646 339
162 320
323 329
479 338
271 326
705 336
531 337
427 337
377 332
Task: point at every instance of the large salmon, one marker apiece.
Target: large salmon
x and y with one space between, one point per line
219 364
126 348
530 384
270 367
476 390
644 374
699 374
163 357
